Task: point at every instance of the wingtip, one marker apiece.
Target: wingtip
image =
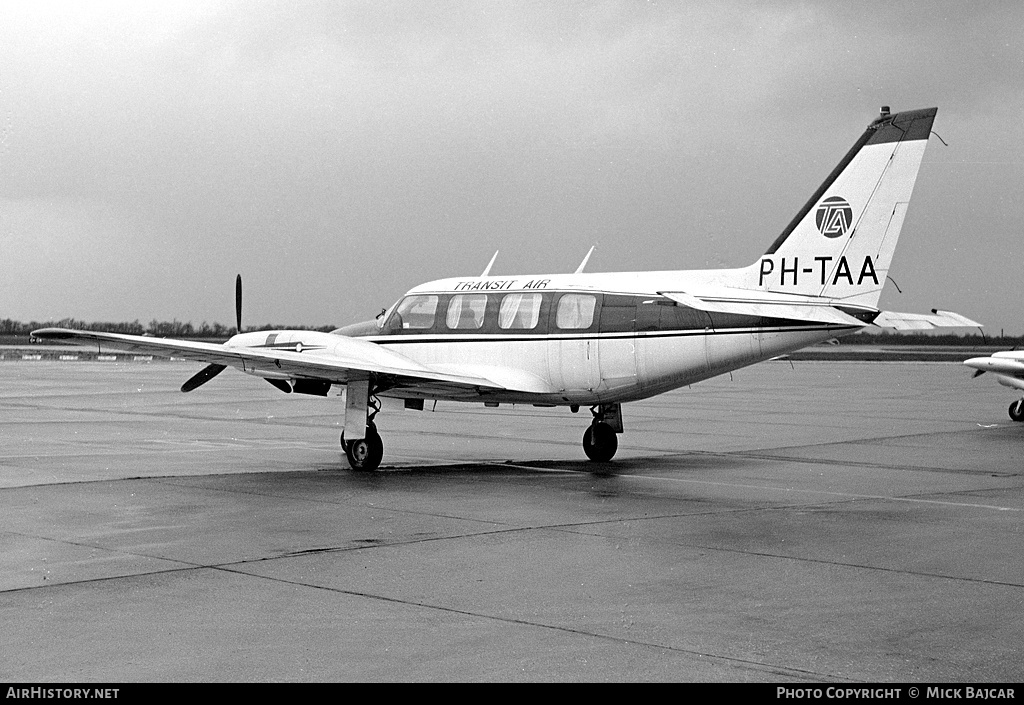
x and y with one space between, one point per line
50 333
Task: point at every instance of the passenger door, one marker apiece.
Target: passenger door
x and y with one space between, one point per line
573 363
618 341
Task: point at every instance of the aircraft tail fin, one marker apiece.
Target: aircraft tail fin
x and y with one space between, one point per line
841 242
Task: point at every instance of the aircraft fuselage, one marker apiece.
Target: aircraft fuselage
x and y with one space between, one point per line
579 339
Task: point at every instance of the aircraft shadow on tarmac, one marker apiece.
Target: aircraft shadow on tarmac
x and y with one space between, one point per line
696 461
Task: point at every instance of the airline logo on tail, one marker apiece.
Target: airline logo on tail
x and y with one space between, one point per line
834 217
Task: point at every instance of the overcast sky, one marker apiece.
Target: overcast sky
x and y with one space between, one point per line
338 153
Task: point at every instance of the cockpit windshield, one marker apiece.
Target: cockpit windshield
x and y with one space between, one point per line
413 313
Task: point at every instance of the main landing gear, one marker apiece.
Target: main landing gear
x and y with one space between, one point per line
1017 410
363 453
600 440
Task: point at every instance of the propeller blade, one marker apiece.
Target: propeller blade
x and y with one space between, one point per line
202 377
238 303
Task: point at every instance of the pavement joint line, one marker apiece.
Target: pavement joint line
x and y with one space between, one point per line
745 663
803 559
233 566
774 456
845 495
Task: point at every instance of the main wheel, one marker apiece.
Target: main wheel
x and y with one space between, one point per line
600 442
364 453
1017 410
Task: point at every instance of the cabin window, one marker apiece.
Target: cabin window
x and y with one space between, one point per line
618 314
414 313
665 314
519 311
466 311
733 320
575 311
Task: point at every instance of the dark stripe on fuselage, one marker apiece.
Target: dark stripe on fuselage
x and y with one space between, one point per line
556 337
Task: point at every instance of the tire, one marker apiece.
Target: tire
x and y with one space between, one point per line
364 453
1017 410
600 442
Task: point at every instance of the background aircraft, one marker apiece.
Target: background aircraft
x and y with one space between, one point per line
599 340
1008 367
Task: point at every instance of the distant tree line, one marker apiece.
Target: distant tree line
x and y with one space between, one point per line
160 329
887 337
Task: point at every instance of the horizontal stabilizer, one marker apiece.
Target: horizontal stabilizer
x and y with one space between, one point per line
817 312
924 321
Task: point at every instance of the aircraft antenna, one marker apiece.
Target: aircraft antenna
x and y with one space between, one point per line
584 262
487 269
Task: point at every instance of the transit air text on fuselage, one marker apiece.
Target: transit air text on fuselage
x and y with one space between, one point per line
789 273
500 285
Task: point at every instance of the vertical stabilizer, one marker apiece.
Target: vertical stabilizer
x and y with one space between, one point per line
841 242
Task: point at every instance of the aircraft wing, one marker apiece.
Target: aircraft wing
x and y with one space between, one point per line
334 358
793 310
924 321
1009 362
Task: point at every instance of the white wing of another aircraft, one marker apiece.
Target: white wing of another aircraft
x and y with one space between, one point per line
600 339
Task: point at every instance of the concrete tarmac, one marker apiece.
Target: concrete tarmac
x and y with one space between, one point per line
808 522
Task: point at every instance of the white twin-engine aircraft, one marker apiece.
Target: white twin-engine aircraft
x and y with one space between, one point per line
598 340
1008 367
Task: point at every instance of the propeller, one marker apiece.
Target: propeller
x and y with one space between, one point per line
202 377
238 303
210 371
